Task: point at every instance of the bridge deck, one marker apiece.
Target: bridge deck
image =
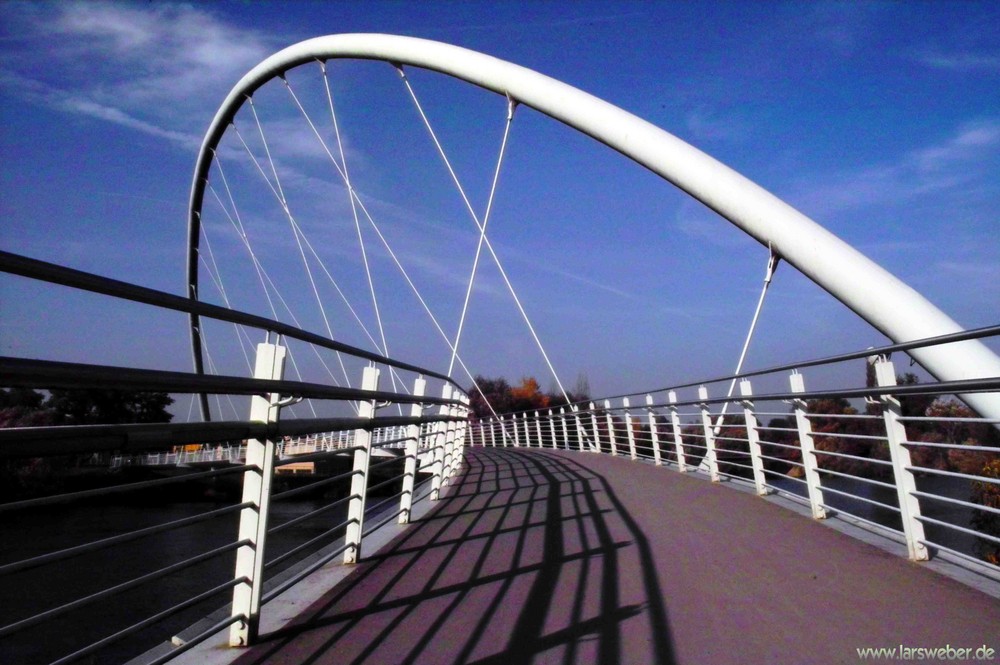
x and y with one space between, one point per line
551 557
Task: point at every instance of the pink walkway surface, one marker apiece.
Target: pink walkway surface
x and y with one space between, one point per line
552 557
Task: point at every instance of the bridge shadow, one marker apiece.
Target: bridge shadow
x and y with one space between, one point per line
530 557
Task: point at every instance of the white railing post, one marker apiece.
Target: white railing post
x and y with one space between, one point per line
493 432
410 464
517 434
449 443
675 426
654 435
906 485
565 429
628 429
581 434
270 364
706 424
359 481
753 438
809 462
596 446
437 466
461 432
538 429
612 439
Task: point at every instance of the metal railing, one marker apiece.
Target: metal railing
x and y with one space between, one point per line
906 459
367 471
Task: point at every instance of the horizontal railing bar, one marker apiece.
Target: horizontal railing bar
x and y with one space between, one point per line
93 545
961 336
100 644
783 461
378 525
312 513
844 435
788 492
59 440
948 419
21 372
382 502
858 518
830 453
736 464
270 594
387 462
959 502
395 479
195 640
315 457
55 274
954 474
949 525
779 445
383 444
952 446
280 496
329 533
114 489
119 588
961 386
859 498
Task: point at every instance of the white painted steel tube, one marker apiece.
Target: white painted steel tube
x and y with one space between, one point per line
892 307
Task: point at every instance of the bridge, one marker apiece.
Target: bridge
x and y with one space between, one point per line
793 513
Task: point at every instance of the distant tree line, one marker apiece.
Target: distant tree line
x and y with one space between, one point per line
525 396
24 407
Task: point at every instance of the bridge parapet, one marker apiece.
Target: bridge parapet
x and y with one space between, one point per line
902 457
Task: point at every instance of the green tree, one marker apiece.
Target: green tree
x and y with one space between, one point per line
88 407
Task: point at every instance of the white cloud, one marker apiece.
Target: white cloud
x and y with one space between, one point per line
961 62
157 68
936 167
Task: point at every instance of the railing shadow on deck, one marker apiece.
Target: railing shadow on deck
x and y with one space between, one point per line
478 580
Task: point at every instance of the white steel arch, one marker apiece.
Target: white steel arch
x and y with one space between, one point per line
892 307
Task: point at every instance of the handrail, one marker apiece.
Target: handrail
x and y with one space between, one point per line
965 335
27 373
78 279
841 465
61 440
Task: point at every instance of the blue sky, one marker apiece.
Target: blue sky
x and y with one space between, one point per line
881 121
